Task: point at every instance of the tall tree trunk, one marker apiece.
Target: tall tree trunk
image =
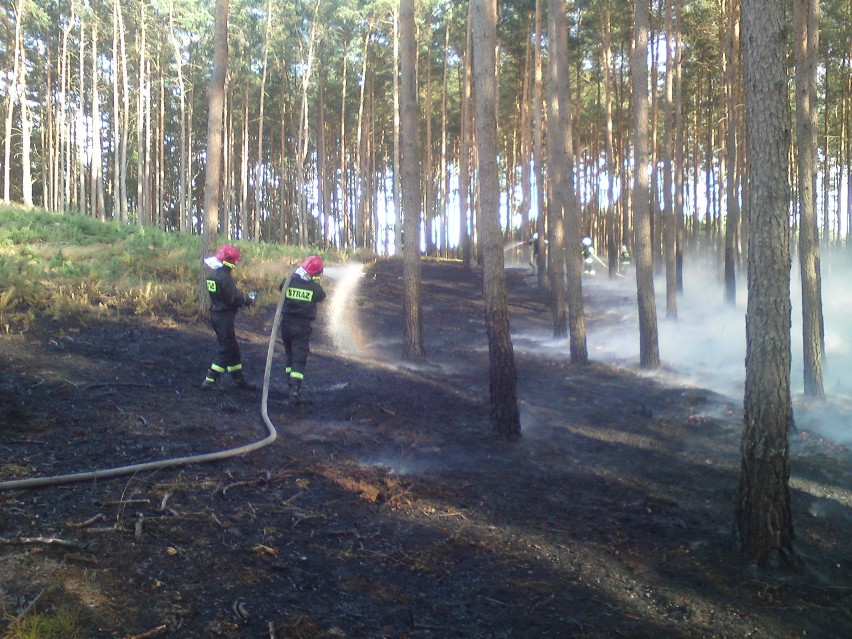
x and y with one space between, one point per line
763 517
428 182
122 195
444 187
81 132
538 151
649 349
11 98
560 146
413 349
465 148
361 160
97 187
806 14
669 219
614 240
213 171
558 166
680 140
259 186
397 194
505 415
304 131
731 189
183 210
142 213
26 133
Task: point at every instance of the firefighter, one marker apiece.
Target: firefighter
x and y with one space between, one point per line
300 310
624 257
588 256
225 301
533 242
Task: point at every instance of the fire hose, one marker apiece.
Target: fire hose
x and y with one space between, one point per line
272 434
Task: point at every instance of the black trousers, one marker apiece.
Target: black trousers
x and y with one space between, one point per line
226 337
296 336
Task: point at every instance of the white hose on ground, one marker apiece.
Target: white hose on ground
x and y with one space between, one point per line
38 482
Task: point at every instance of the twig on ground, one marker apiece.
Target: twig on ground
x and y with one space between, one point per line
153 632
163 503
247 482
88 522
115 385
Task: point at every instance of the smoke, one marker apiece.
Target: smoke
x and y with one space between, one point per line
705 346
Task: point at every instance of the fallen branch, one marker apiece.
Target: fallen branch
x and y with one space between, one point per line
48 541
153 632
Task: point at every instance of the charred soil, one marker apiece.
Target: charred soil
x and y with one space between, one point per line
386 507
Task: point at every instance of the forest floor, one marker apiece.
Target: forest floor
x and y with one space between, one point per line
386 508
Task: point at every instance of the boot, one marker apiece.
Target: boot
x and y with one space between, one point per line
211 379
295 394
241 382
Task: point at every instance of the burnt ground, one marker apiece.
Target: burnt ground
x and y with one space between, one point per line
385 507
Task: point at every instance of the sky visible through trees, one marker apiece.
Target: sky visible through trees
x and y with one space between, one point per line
150 63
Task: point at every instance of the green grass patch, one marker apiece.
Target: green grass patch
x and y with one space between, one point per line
72 266
64 623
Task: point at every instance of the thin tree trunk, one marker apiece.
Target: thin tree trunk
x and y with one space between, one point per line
26 133
538 152
649 350
213 171
465 149
806 16
122 194
413 349
97 187
444 172
183 212
82 128
142 214
557 165
259 186
606 62
11 98
360 159
731 189
669 219
505 415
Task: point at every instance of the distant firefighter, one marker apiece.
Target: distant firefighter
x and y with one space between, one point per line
624 257
533 242
588 256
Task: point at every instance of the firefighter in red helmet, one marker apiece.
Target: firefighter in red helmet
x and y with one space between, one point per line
300 310
225 301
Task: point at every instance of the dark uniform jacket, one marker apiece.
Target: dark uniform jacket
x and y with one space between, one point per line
301 299
224 295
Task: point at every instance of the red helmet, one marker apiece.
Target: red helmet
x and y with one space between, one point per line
228 253
313 265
